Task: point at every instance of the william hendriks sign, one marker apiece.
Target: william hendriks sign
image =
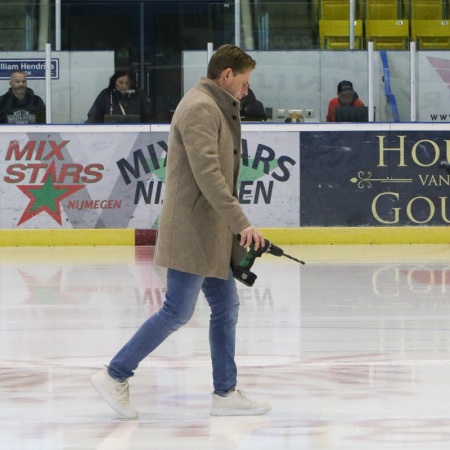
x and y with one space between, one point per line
34 68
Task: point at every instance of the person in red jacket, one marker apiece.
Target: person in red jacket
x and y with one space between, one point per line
346 96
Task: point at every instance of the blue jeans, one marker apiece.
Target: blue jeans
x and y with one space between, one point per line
181 297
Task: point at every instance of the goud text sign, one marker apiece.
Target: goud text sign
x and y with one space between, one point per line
368 178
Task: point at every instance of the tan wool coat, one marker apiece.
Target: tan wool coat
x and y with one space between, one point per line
201 214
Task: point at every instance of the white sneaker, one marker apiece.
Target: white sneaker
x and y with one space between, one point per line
115 393
237 404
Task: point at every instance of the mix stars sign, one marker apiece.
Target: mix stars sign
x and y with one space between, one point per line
105 179
44 165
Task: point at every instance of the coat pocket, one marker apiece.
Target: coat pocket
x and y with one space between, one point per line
199 202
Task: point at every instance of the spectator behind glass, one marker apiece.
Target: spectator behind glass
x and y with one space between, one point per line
20 105
252 109
121 97
346 97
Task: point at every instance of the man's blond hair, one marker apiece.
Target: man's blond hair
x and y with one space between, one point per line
229 56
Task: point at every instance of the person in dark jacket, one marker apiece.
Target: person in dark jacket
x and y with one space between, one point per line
251 108
121 97
20 105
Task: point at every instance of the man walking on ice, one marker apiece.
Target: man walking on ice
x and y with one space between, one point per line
197 236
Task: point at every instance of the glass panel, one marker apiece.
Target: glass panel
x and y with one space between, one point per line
150 38
286 25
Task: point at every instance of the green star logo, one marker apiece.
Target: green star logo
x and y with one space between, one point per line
248 173
46 198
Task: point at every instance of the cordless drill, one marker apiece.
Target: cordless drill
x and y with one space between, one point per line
242 272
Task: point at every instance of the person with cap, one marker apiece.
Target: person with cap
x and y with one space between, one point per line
346 96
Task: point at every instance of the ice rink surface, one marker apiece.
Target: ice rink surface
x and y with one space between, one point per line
352 350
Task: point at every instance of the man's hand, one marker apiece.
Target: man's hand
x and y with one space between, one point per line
249 235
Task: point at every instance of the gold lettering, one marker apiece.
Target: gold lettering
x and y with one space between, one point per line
444 209
444 180
375 212
447 151
431 180
424 179
383 149
409 210
419 144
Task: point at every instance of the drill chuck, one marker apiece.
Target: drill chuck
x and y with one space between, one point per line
273 249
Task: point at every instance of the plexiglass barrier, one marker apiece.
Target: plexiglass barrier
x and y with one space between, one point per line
304 49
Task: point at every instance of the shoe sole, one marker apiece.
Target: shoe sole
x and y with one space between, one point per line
104 394
239 412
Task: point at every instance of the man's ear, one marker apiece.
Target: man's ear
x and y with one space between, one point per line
227 73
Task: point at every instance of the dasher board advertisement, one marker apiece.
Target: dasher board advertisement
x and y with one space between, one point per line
113 179
375 178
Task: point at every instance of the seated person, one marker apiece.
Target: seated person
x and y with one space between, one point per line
121 97
20 105
252 109
346 96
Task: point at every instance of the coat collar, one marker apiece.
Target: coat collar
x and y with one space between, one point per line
221 96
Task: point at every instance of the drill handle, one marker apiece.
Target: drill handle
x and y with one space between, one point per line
248 260
252 254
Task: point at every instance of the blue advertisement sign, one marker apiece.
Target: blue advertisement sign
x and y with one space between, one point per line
375 178
33 67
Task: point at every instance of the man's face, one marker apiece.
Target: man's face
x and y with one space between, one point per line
18 83
346 97
236 85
